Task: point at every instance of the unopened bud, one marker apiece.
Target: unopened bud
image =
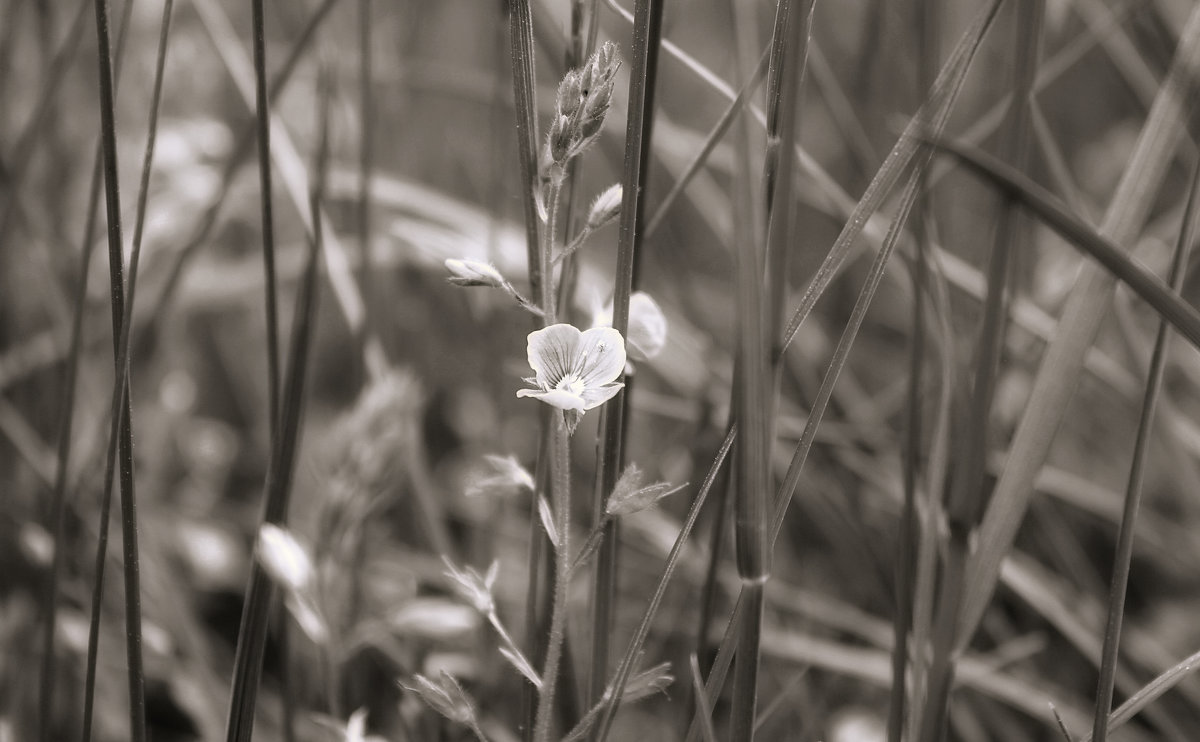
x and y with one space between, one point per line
605 208
466 272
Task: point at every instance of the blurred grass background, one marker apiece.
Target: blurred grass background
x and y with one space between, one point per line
445 186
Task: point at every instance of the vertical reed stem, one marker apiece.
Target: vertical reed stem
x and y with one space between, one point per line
1133 493
133 613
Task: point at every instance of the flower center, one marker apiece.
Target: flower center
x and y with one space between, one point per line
572 384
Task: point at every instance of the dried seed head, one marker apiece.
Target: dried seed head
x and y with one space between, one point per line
648 682
472 587
502 476
631 494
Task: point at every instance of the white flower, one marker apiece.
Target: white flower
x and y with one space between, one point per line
647 333
575 371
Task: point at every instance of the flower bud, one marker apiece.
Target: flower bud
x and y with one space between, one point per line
605 208
467 272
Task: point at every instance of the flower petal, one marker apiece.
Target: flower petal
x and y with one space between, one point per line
600 357
559 398
551 352
595 396
647 327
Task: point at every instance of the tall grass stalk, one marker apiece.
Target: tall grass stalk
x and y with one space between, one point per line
751 398
808 435
244 140
715 135
1085 309
1133 494
625 667
266 201
121 439
643 72
927 38
285 428
252 632
965 496
933 114
521 50
57 522
793 28
520 30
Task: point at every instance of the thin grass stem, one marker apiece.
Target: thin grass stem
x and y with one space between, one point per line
280 470
750 399
963 503
616 687
266 201
927 26
122 438
241 149
1133 495
643 62
1082 315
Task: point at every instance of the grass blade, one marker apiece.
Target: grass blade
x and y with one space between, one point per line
121 441
1133 495
520 30
750 398
1182 316
240 150
625 667
935 111
280 469
703 708
963 501
1151 692
643 63
262 119
294 176
1082 316
719 130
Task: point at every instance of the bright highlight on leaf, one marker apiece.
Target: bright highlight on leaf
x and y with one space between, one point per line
575 371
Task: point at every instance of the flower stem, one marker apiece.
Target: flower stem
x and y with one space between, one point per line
546 254
560 478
